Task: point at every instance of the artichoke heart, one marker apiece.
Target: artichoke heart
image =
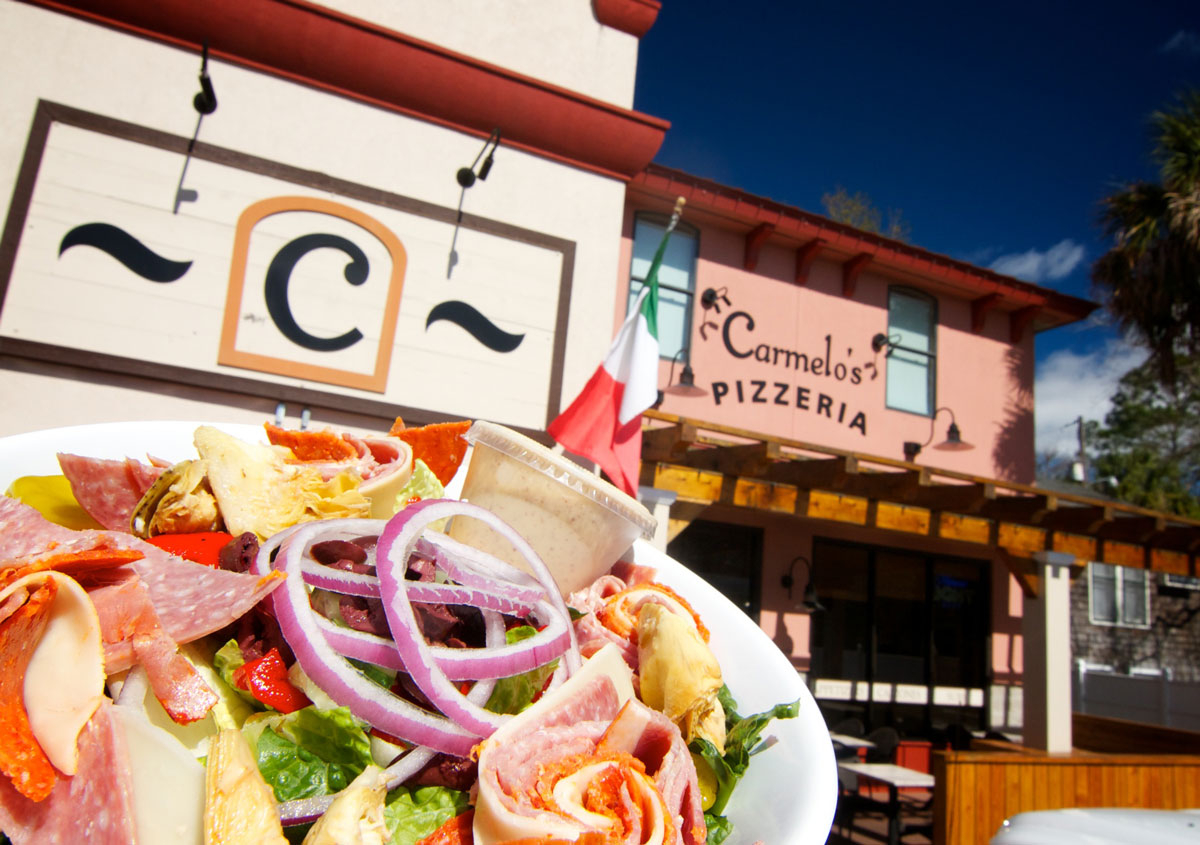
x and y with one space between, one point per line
356 816
258 490
239 807
178 502
679 675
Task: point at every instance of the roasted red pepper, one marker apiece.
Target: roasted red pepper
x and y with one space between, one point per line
267 680
199 547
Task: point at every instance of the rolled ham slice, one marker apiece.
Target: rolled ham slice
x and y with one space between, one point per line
588 758
384 464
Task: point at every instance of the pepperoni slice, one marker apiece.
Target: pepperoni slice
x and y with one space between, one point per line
21 758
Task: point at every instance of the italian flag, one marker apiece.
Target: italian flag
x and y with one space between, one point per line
604 423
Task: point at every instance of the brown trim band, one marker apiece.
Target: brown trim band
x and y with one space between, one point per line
342 55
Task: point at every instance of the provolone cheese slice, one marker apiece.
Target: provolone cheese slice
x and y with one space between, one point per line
64 682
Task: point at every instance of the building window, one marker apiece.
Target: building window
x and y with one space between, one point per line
1118 595
912 351
676 278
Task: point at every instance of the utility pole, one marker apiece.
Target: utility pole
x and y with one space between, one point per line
1079 465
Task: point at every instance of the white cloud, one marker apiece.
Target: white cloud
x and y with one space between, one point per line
1070 384
1182 43
1058 262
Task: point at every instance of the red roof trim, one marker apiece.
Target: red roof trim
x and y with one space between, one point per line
793 224
317 46
632 16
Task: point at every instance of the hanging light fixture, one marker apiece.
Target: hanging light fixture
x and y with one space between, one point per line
205 103
466 176
686 386
952 443
810 602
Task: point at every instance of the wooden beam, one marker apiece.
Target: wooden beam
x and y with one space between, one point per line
1079 520
755 238
1023 570
1023 509
751 460
805 256
815 473
980 308
956 498
668 443
1180 538
1019 320
900 487
1132 529
851 270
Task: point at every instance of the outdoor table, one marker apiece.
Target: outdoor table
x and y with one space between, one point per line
857 744
851 741
895 778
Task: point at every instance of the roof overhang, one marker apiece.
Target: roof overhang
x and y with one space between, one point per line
811 236
317 46
709 464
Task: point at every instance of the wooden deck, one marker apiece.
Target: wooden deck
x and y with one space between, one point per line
978 789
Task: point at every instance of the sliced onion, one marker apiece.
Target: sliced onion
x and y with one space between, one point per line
345 684
459 664
396 542
513 603
304 810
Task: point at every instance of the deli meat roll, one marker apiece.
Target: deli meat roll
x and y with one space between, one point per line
589 758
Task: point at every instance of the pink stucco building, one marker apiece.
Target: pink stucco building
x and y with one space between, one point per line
798 329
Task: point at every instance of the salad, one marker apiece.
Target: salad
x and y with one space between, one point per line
367 678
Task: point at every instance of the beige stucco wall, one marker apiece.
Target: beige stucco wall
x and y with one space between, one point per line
58 58
556 41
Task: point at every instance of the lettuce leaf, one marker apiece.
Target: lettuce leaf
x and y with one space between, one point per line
413 814
741 741
513 694
308 752
227 659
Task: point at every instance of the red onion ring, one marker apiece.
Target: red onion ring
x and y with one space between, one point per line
397 540
459 664
341 681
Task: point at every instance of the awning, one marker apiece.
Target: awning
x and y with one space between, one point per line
705 464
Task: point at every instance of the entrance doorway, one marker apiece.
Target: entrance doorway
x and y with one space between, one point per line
910 628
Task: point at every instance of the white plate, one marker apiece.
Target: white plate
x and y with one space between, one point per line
789 793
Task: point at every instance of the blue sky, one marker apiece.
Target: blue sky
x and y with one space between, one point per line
995 132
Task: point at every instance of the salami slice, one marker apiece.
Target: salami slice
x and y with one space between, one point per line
191 600
107 490
94 806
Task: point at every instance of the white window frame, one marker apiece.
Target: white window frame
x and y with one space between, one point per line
668 346
929 355
1119 574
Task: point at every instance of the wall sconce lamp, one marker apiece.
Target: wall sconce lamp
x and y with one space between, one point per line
710 296
466 176
952 443
810 602
881 341
205 103
686 386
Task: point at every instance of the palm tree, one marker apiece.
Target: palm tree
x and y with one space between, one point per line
1150 278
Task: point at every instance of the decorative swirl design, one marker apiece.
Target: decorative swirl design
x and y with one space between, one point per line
127 249
475 324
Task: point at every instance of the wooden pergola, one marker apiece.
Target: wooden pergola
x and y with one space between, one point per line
705 464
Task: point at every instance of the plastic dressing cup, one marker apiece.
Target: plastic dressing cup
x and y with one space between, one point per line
579 524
